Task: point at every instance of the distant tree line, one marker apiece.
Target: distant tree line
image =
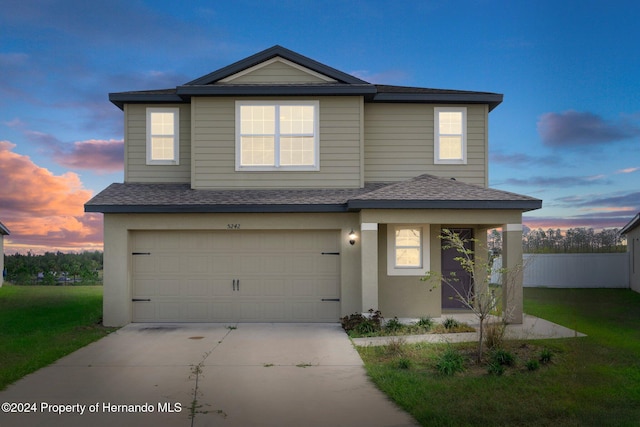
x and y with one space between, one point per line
54 268
574 240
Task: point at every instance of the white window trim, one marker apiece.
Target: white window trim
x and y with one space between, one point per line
316 140
436 136
176 136
392 269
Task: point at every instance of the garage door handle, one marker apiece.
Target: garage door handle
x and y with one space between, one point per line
234 285
238 285
140 299
330 299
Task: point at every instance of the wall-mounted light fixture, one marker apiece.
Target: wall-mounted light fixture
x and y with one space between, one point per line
352 237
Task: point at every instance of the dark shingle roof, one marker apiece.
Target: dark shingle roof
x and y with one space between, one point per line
345 84
423 192
3 231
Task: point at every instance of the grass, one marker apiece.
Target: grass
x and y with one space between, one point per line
40 324
591 381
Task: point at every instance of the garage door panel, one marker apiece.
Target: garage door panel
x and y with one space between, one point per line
251 287
222 286
200 287
193 276
195 264
168 264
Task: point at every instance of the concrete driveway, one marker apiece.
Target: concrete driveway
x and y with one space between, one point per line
206 375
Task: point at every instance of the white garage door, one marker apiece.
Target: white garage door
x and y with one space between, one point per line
229 276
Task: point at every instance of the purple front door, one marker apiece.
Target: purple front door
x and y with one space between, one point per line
451 292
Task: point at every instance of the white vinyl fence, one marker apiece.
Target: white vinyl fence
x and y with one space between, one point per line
573 270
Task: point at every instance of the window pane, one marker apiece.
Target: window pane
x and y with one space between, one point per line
450 122
408 257
162 148
296 151
296 119
408 237
162 123
450 147
257 119
257 151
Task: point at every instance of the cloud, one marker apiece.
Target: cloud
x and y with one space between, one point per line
558 181
575 129
44 210
597 222
99 156
627 200
627 170
519 160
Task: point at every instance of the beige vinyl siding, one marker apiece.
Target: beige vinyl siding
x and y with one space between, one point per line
214 139
136 168
276 72
399 143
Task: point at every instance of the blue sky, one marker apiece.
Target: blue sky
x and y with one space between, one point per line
568 131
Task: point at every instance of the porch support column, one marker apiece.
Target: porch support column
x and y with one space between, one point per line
512 279
369 265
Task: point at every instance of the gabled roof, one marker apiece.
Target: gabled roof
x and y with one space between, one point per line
635 222
273 52
423 192
3 231
336 83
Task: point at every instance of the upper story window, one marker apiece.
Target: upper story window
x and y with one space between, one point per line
407 250
277 135
450 135
163 140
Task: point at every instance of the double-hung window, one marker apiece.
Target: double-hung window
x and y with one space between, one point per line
407 250
163 140
450 135
280 135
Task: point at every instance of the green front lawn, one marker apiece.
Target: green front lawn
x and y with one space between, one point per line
40 324
591 381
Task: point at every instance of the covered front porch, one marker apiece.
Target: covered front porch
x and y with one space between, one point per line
399 246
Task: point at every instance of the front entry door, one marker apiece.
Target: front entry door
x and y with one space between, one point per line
464 285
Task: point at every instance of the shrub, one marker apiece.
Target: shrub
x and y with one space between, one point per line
450 362
545 356
494 335
502 357
393 325
425 322
533 365
450 323
362 325
495 368
395 347
403 363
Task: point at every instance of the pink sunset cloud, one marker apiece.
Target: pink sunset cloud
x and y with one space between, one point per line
44 210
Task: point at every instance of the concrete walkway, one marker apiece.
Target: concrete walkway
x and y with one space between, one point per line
255 375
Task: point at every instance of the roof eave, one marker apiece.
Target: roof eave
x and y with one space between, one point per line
276 90
635 222
284 208
121 98
521 205
493 100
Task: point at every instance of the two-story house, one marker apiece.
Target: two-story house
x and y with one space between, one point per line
279 189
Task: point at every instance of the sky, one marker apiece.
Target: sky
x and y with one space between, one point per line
567 132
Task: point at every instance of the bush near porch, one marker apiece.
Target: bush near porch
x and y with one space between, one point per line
591 381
